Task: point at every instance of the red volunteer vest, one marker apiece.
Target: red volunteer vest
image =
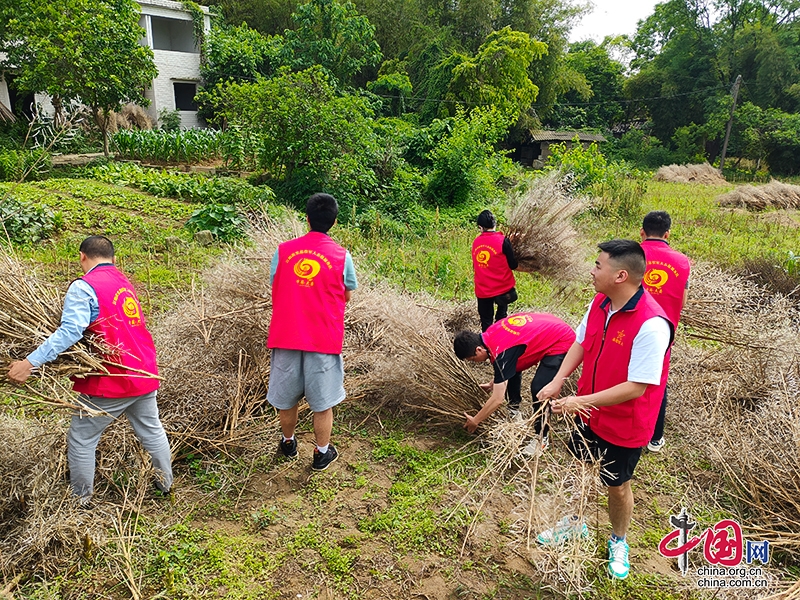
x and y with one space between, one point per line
492 275
121 325
607 354
666 277
308 296
542 334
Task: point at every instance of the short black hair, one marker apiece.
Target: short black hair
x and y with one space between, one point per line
466 344
97 246
628 254
322 210
486 220
656 223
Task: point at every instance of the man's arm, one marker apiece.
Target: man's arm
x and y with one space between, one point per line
508 250
81 308
350 280
622 392
492 404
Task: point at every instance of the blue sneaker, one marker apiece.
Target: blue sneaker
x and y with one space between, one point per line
618 565
567 528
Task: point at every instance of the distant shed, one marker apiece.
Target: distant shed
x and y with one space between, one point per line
535 147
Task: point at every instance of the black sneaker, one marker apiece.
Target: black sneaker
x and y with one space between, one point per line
323 461
288 448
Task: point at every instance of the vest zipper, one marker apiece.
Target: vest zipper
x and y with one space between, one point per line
599 352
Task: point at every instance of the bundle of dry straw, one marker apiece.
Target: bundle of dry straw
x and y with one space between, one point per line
540 227
739 395
761 197
408 357
703 173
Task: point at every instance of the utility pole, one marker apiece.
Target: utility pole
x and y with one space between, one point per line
735 93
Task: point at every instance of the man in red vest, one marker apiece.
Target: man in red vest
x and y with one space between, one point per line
622 343
312 280
104 303
492 262
667 280
512 345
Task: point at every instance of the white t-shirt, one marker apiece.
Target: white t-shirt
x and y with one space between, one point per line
647 353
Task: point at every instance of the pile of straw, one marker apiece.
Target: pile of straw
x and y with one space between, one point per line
541 230
408 356
762 197
740 395
40 525
703 173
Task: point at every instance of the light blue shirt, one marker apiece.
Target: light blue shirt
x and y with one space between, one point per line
350 281
81 308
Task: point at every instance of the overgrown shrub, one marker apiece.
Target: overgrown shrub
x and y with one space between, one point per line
25 223
465 164
618 187
32 164
223 220
640 149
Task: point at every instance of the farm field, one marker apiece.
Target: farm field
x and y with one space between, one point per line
414 508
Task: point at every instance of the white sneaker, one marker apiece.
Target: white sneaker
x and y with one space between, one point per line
567 528
656 445
536 447
618 565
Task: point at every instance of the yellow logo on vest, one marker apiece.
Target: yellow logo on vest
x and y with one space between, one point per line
655 278
517 321
131 308
482 258
306 269
617 339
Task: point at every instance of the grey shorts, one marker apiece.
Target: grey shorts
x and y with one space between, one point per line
295 373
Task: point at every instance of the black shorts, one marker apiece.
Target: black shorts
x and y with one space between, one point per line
617 462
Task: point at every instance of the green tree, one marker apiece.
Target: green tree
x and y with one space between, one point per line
239 53
270 17
85 50
465 164
498 75
307 136
332 34
600 104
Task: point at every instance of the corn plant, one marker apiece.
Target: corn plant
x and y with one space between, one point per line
191 145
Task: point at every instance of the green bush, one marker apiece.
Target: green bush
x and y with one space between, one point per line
617 188
465 164
222 220
32 164
170 119
25 223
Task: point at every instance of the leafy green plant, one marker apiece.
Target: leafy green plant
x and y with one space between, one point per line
30 164
170 119
222 220
192 145
25 223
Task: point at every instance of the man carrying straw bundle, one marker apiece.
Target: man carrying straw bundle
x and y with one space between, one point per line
667 280
312 279
512 345
493 261
622 343
103 303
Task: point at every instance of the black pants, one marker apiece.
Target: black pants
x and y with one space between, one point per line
545 372
486 308
662 414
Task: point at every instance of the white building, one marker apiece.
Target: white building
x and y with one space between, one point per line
169 31
177 57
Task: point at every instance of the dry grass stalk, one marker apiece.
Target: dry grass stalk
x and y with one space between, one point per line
762 197
41 527
702 173
541 231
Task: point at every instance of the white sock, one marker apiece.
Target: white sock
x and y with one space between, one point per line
285 439
323 449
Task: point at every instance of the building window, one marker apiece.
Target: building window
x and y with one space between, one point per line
173 34
184 96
